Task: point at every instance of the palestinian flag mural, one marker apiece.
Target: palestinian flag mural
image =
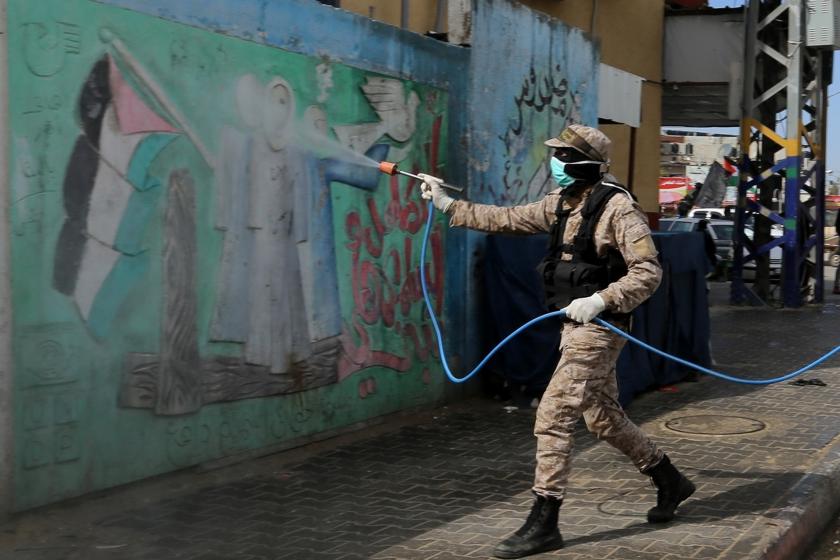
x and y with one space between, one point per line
109 195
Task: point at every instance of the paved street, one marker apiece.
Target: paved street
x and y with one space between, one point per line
451 483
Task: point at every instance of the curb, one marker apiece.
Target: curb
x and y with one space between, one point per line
800 516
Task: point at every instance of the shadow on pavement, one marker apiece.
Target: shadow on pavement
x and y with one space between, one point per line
751 498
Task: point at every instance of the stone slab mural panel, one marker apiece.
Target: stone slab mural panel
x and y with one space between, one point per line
196 223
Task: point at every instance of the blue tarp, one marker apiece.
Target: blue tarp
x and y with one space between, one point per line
675 318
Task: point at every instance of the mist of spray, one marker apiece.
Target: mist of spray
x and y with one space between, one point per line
316 140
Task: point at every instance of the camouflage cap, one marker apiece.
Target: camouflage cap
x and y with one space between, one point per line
590 141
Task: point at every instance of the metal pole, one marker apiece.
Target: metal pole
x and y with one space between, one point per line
404 14
439 14
738 291
791 268
821 136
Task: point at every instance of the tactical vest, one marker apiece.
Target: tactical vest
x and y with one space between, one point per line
586 272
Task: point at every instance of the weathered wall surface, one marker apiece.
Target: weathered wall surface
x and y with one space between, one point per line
197 272
531 76
630 35
203 265
6 368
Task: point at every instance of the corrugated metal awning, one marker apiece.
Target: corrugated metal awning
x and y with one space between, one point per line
619 96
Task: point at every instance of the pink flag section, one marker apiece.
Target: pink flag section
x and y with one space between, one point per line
674 189
133 115
670 197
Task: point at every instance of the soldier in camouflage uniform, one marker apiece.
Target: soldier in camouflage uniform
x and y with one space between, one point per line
584 382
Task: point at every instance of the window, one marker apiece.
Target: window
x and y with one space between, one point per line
682 226
689 149
722 232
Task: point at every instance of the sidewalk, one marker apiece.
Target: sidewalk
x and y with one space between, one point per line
455 481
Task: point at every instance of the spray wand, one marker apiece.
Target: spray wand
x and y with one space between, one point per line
391 169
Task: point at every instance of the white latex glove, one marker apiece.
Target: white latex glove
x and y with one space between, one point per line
431 190
585 309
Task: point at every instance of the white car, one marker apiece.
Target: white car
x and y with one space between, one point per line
709 213
776 231
722 232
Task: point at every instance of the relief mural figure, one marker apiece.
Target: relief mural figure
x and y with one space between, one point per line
261 208
277 293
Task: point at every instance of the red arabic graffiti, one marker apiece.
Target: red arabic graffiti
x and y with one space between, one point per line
386 287
386 279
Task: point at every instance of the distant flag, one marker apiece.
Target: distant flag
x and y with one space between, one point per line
713 191
729 166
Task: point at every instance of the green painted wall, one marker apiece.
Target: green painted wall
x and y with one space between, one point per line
123 197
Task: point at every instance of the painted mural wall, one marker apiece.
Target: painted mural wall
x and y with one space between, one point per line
205 261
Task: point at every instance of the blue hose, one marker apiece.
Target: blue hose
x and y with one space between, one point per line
562 313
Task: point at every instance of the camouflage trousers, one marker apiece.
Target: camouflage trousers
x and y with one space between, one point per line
584 384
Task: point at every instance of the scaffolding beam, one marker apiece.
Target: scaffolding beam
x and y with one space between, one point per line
781 75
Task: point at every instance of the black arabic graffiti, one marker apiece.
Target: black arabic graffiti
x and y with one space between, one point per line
545 92
541 92
514 186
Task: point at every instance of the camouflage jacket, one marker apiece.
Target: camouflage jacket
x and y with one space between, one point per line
623 226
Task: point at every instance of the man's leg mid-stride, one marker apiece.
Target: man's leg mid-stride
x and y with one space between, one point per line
584 383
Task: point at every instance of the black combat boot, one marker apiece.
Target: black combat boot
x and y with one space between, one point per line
538 534
672 488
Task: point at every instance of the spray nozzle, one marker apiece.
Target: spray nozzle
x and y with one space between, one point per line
390 168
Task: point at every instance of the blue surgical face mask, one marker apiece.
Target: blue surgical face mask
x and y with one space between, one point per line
558 171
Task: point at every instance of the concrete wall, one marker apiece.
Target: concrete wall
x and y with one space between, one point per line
200 266
630 34
531 76
620 136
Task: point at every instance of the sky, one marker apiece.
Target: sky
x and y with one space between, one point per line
833 148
